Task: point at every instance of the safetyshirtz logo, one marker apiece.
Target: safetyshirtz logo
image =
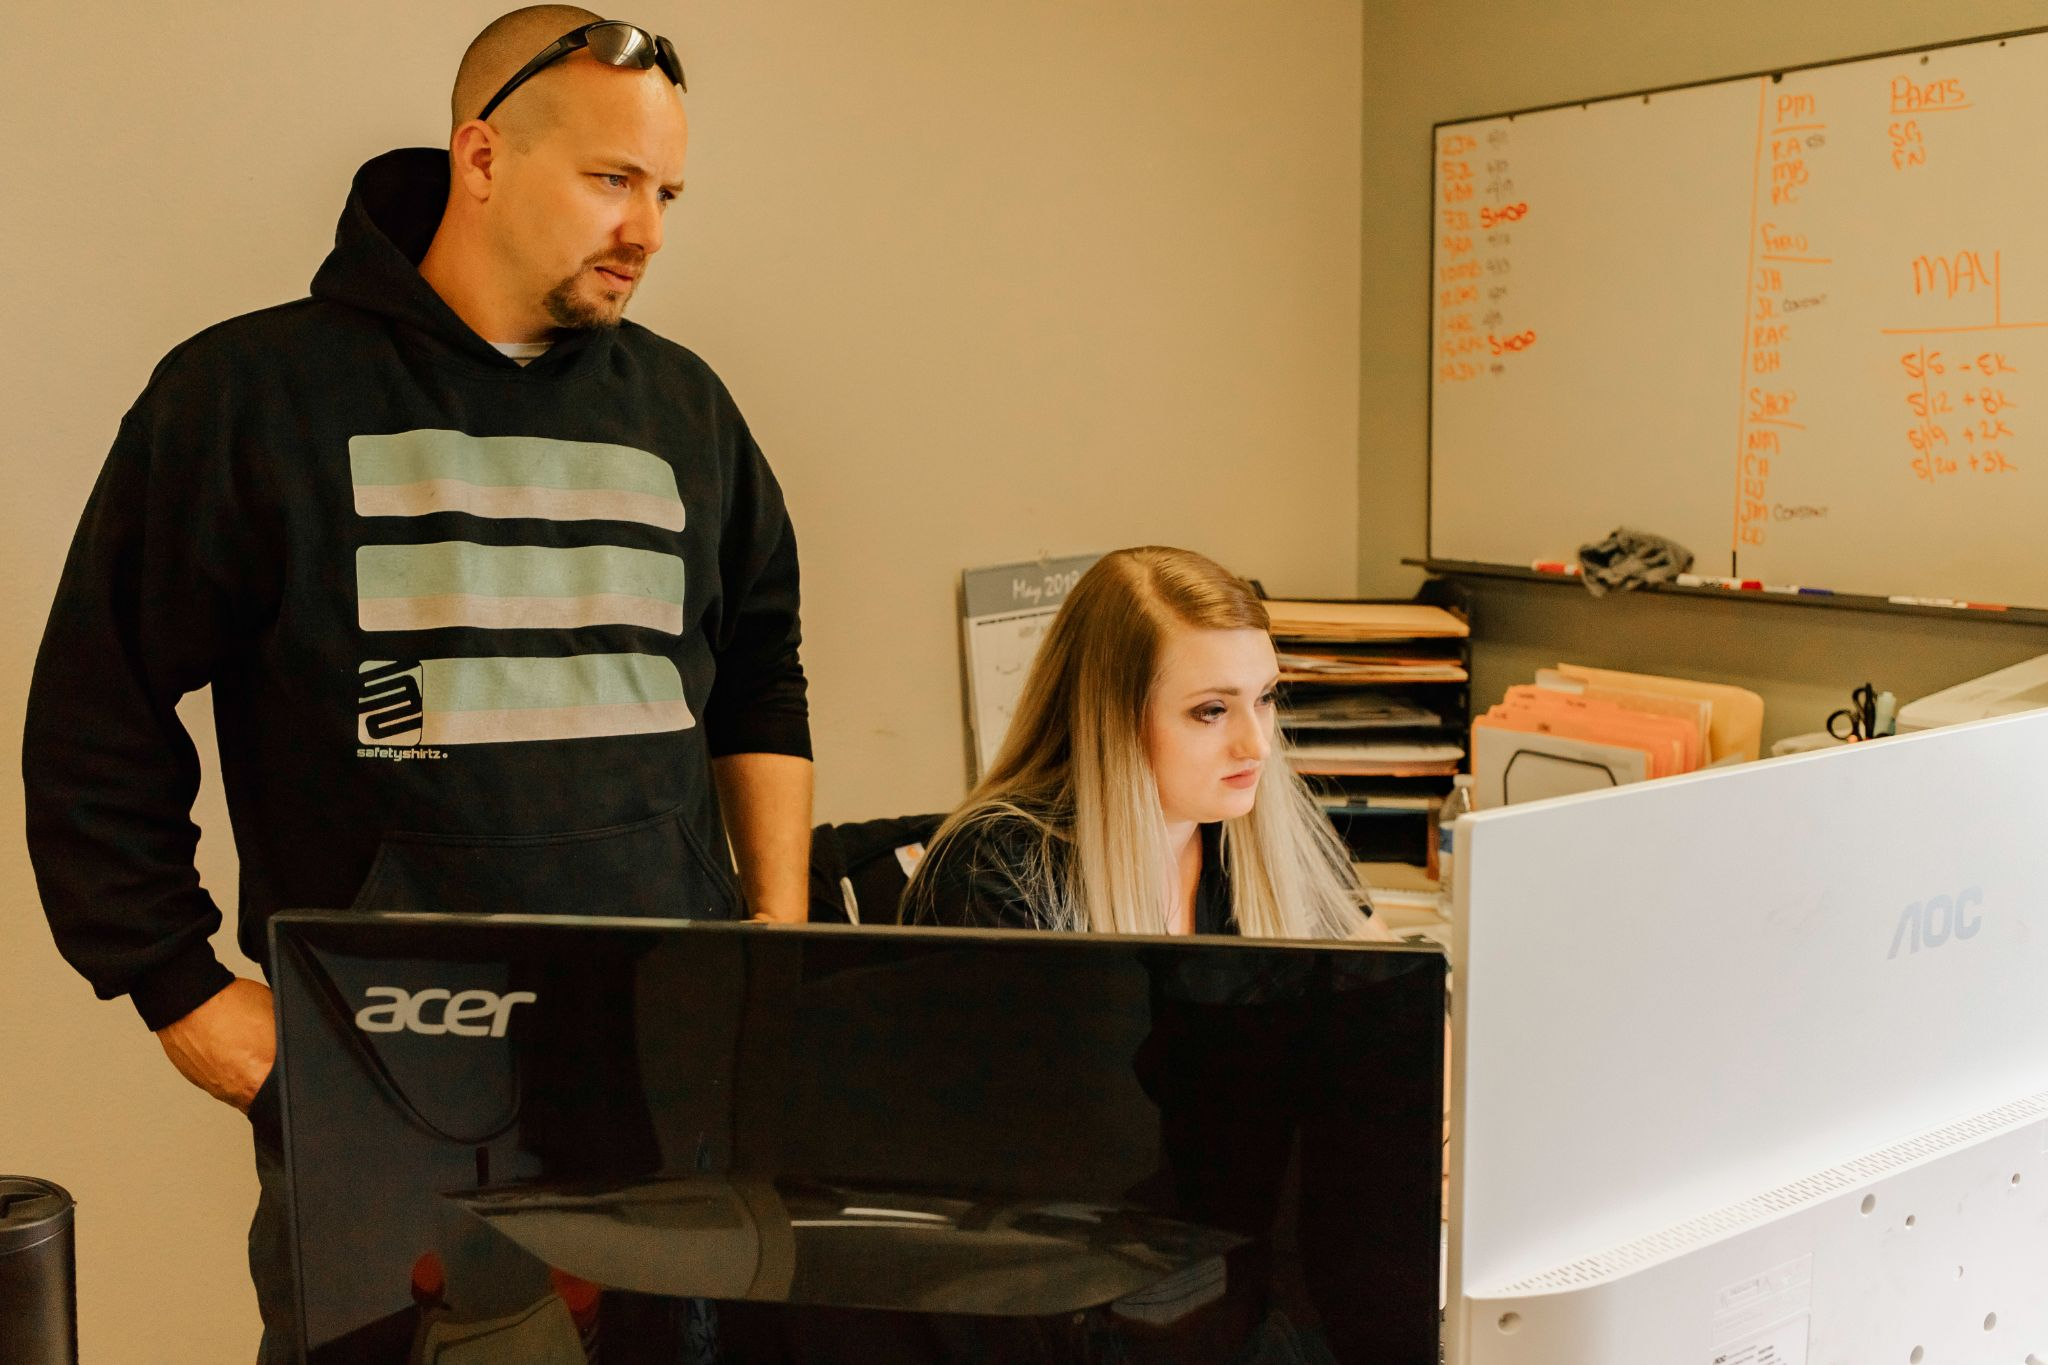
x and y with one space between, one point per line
391 710
390 702
436 1011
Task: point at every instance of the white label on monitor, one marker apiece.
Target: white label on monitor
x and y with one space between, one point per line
1781 1343
1751 1314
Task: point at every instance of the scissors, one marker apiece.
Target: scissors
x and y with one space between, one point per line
1860 716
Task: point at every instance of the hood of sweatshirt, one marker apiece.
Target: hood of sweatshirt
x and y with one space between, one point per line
394 207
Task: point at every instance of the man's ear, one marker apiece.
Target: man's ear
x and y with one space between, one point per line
472 158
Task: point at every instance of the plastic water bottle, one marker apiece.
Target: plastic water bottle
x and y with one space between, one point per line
1458 803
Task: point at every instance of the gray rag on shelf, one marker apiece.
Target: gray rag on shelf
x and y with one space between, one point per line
1629 559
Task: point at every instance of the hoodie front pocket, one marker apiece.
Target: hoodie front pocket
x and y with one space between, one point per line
650 868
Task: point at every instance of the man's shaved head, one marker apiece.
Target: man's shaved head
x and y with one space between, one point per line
506 44
555 205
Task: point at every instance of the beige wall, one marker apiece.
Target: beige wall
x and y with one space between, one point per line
1427 62
988 280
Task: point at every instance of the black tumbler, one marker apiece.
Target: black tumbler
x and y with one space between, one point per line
38 1285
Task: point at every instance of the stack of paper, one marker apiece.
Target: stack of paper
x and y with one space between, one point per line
1403 895
1366 667
1583 729
1365 642
1318 758
1353 802
1363 621
1735 728
1353 711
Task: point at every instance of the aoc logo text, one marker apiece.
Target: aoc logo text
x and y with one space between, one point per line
467 1014
1933 922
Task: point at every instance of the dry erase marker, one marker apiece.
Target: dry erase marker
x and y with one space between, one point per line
1701 580
1955 603
1553 566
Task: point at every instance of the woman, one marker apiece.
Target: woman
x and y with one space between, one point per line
1137 790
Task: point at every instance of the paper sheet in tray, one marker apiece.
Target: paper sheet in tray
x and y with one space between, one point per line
1513 766
1363 621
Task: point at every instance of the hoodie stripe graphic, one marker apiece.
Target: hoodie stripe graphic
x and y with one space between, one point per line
416 473
465 584
515 587
432 702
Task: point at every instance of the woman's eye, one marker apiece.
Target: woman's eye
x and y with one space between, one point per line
617 182
1208 713
1268 698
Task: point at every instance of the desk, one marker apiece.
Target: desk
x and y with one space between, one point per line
1407 901
1411 923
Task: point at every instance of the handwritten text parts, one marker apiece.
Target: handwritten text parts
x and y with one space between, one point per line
1911 96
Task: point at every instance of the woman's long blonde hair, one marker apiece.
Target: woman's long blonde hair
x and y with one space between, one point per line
1073 768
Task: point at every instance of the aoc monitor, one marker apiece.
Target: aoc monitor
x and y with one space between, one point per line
1752 1065
579 1139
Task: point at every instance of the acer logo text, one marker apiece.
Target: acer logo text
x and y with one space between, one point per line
1933 922
467 1014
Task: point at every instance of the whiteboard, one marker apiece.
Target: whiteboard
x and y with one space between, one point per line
1796 322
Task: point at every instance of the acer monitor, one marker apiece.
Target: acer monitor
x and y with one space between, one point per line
545 1138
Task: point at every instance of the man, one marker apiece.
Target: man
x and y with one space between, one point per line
495 592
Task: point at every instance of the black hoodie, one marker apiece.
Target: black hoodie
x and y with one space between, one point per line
474 631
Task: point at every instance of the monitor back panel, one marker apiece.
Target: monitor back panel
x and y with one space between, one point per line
1677 996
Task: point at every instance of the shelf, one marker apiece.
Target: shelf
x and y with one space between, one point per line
1315 681
1376 812
1399 836
2012 616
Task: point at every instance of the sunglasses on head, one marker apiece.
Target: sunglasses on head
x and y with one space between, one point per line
612 42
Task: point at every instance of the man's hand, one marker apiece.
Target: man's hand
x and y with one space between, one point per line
227 1045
